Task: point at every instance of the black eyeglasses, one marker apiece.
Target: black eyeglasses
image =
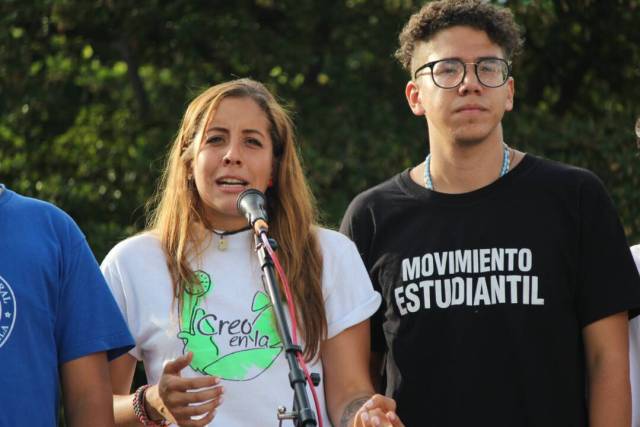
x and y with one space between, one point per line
449 73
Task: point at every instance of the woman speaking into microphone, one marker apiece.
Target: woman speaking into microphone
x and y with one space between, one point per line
190 285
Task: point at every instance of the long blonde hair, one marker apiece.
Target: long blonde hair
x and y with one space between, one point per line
178 212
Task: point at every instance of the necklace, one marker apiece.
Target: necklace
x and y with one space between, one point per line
224 244
506 162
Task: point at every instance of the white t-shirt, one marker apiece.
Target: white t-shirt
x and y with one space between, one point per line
230 328
634 354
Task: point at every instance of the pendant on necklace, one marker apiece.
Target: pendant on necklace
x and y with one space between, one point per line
222 244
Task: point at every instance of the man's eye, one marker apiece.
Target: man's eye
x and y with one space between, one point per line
445 69
488 68
491 66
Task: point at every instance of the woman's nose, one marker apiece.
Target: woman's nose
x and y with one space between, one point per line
232 155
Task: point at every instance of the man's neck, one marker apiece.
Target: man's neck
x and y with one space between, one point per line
458 168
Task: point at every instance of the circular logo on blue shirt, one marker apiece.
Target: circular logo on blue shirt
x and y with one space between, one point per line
7 310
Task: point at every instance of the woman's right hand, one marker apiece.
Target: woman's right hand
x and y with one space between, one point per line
378 411
178 399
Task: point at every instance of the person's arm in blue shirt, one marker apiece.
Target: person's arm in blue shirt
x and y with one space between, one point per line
86 391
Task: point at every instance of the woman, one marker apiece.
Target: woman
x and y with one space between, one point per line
191 291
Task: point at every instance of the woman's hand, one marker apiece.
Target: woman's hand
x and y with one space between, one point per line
347 384
378 411
179 399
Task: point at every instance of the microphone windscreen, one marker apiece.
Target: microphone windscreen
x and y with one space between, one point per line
251 204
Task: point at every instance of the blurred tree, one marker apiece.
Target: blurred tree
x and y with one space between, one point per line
92 93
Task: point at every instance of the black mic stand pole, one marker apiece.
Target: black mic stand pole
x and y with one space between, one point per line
302 414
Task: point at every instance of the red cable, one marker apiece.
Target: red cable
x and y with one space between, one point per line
294 324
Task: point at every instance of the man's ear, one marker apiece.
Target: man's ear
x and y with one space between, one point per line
412 93
511 93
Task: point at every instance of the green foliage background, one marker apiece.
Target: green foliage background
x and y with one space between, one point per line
92 92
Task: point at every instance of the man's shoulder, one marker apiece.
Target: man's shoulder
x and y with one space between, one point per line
562 177
552 169
31 206
40 216
380 193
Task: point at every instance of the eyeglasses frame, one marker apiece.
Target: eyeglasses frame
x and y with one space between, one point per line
464 73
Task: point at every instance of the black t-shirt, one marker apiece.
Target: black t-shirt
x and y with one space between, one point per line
485 294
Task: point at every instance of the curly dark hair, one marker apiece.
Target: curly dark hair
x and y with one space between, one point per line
436 16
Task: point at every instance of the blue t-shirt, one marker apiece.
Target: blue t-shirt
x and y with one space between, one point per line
54 307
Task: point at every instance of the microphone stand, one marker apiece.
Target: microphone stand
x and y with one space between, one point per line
301 414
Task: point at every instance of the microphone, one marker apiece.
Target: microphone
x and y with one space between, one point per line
251 204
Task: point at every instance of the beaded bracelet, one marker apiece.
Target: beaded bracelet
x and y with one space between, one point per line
140 411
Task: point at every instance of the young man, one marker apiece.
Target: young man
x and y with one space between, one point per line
506 278
58 320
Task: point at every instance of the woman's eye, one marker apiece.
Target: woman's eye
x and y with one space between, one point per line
253 141
214 139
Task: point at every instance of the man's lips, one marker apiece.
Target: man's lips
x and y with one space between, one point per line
469 108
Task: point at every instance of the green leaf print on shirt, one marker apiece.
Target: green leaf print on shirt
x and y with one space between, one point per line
257 338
